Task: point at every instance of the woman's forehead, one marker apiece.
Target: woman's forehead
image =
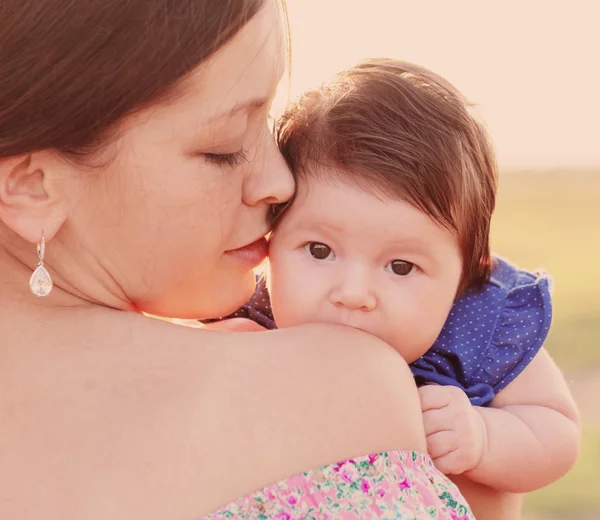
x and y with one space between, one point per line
245 71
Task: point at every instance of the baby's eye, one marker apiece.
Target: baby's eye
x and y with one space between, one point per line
319 251
401 267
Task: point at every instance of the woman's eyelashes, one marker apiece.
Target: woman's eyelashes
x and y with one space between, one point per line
228 159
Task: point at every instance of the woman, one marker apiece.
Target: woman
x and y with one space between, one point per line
135 153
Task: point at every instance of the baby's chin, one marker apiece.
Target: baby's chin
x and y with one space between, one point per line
413 349
410 349
286 322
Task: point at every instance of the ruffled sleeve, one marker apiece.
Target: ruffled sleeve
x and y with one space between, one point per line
491 335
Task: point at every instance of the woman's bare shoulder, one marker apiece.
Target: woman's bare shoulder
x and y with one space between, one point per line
278 402
329 385
359 379
339 379
341 382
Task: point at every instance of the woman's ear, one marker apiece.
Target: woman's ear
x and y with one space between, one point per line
34 194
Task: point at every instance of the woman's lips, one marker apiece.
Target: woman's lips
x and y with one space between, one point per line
252 254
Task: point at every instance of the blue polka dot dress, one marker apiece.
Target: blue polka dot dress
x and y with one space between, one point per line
490 335
489 338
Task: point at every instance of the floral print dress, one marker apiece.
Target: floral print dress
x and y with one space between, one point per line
399 485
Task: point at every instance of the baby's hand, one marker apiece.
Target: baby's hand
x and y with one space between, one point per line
456 433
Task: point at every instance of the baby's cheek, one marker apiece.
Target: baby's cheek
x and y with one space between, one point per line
291 312
411 346
295 290
414 334
288 300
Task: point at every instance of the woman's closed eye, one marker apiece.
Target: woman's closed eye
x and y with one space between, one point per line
319 251
228 159
401 267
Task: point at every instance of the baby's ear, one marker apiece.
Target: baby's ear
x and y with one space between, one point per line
34 194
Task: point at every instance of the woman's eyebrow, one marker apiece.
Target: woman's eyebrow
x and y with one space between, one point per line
238 107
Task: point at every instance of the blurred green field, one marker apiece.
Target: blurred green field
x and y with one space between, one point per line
552 220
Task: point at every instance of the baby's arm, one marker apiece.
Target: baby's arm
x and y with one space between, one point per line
528 439
532 431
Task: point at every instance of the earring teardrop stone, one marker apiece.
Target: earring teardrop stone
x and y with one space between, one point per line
40 282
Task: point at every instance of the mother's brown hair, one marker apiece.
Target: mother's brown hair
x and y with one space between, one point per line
71 69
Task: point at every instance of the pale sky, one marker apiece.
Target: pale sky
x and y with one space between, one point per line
531 66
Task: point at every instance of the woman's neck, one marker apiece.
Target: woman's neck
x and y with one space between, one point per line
17 263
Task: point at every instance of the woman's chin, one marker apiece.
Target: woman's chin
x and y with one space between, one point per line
231 295
215 297
234 295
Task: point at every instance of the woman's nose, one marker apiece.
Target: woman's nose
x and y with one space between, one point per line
271 181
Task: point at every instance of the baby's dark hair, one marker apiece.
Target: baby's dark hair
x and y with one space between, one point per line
398 130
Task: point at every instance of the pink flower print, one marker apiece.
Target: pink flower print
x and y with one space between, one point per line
454 516
349 472
404 484
365 486
358 489
340 465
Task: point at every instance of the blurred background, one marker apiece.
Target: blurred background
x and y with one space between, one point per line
531 69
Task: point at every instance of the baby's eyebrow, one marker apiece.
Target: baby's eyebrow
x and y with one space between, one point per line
314 225
414 244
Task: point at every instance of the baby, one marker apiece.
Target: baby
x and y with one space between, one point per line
389 233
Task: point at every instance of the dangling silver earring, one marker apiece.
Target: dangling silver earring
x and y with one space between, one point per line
40 282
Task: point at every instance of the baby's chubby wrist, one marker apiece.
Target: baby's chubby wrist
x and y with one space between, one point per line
482 438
